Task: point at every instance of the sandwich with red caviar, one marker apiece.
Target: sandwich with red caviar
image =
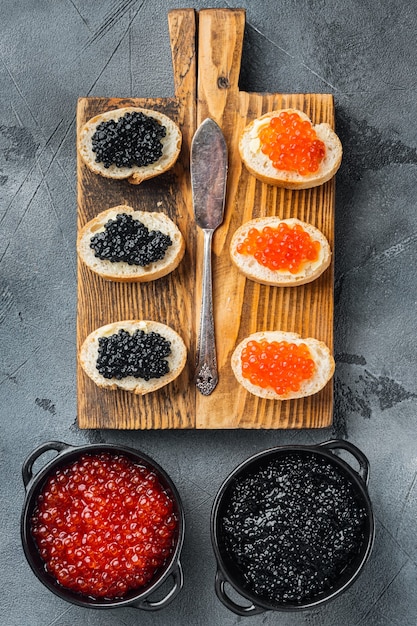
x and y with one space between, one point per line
278 252
285 149
280 365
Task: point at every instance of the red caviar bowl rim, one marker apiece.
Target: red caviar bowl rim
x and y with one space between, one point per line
34 487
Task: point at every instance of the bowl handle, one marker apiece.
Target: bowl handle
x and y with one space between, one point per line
148 605
27 466
219 586
354 451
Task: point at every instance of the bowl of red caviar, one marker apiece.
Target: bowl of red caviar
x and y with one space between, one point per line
292 528
102 526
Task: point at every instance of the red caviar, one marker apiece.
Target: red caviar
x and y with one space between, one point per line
292 144
285 247
104 525
277 364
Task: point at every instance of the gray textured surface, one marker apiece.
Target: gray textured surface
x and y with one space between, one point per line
362 52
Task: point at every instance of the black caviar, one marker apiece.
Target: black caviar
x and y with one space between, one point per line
292 527
134 139
127 239
140 354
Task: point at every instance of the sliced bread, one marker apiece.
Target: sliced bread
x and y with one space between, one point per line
260 165
250 267
135 174
320 353
122 271
175 360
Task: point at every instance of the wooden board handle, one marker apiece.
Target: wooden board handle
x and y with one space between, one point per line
220 41
182 33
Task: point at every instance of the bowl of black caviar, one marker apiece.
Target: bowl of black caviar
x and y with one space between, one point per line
102 526
292 528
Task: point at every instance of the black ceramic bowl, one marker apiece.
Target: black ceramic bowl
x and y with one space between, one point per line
231 563
34 484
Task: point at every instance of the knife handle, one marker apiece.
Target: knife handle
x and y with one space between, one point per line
206 377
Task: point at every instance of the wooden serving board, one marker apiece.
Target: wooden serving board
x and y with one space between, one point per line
206 55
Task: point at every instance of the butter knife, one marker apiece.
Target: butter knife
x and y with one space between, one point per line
208 183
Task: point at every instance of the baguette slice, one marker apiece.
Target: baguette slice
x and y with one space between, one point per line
261 167
176 360
249 266
320 352
135 174
121 271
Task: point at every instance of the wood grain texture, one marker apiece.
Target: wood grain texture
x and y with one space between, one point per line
208 89
240 305
169 299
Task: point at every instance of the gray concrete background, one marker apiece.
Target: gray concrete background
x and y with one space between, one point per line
365 54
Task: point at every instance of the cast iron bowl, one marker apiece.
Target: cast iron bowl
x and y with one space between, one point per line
34 484
228 570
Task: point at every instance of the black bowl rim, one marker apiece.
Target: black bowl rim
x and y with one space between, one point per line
35 484
253 460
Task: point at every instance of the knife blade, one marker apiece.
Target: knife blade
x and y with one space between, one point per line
208 165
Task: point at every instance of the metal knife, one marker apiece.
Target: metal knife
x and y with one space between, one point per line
208 183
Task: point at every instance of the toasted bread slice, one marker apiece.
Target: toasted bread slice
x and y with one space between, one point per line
250 267
176 359
136 174
320 353
260 165
121 271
